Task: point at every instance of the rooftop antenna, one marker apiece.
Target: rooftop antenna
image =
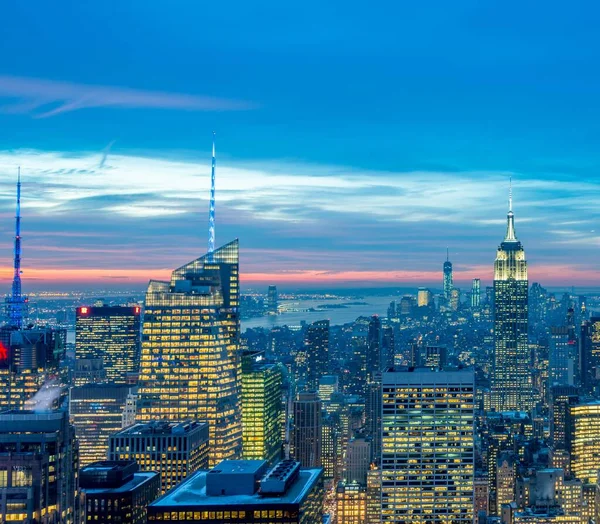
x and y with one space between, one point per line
16 303
510 195
211 209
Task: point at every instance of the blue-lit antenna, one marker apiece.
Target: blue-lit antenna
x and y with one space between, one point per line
16 303
211 209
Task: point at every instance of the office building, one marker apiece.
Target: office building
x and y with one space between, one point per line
424 297
190 344
38 468
96 412
506 476
427 457
115 491
512 387
331 448
328 385
388 347
407 305
585 441
261 408
373 417
448 282
358 460
563 354
436 357
272 300
455 299
476 293
589 354
316 347
306 435
562 398
175 450
351 503
88 371
239 491
110 333
373 496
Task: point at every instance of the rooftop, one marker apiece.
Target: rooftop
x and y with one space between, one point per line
141 477
192 492
161 427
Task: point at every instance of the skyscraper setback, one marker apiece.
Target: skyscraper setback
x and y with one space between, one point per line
190 344
512 388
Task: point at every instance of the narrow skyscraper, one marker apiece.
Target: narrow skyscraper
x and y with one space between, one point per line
476 293
448 280
512 388
190 342
16 303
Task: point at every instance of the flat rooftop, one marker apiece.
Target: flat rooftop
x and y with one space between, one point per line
192 493
161 427
242 467
139 478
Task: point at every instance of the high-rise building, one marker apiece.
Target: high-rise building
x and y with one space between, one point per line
512 387
562 398
239 491
306 435
424 297
428 446
190 344
115 491
589 354
328 385
38 468
272 300
351 503
373 496
261 408
476 293
436 357
110 333
96 412
374 360
563 354
373 417
388 347
455 299
316 346
448 283
175 450
585 441
358 460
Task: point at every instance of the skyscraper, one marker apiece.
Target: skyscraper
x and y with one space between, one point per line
261 409
38 468
563 357
427 457
96 412
316 345
512 388
306 437
584 440
190 342
272 300
476 293
110 333
424 297
374 360
448 280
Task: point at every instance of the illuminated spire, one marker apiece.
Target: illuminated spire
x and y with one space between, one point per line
211 210
510 228
16 303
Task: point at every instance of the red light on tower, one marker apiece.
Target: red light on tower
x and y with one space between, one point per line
137 310
83 310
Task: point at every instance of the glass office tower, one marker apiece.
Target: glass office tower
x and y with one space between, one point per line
190 341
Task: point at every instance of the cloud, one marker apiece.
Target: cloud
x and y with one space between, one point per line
45 98
296 221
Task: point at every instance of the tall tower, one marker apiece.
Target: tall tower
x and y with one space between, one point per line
211 209
512 388
427 455
448 284
16 303
190 342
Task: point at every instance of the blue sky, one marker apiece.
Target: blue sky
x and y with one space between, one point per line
354 142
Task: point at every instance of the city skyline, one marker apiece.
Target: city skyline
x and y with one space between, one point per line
361 182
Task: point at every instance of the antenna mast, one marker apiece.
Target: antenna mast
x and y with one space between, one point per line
211 209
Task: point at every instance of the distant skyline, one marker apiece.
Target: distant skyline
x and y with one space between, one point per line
353 146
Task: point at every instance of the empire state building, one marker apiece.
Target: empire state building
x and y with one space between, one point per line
512 388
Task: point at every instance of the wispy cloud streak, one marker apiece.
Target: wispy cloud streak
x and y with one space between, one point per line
44 98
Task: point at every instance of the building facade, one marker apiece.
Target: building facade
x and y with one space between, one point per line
190 343
427 457
306 435
175 450
110 333
512 386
